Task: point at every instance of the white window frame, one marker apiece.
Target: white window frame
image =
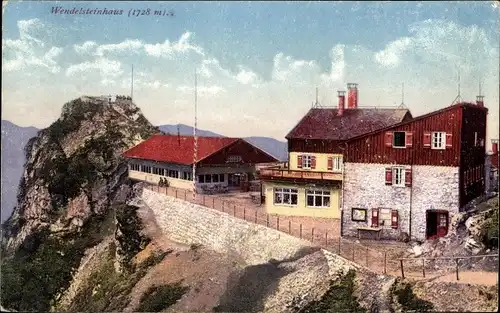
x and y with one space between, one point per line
306 161
398 176
318 194
285 193
234 158
381 222
135 167
438 140
337 163
394 139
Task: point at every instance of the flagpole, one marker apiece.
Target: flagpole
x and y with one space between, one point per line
195 138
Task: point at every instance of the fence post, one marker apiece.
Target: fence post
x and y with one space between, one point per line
245 213
185 195
340 240
385 262
402 269
234 210
213 203
204 200
222 205
312 234
366 257
278 222
255 217
326 239
423 267
456 261
176 193
267 220
289 227
300 230
353 253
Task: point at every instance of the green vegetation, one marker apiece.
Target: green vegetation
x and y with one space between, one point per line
408 301
339 297
489 230
43 265
108 291
74 113
158 298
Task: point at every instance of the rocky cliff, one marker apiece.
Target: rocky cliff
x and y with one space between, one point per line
74 183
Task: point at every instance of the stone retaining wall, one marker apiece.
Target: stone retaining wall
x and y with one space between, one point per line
189 223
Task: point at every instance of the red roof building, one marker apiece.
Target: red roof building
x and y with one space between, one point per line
221 162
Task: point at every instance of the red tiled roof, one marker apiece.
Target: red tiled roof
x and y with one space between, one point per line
177 149
324 123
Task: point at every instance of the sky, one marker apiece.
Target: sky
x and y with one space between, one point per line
258 64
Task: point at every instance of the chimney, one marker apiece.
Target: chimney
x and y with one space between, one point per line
480 101
352 96
341 102
494 146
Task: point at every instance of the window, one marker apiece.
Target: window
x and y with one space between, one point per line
146 169
358 215
159 171
285 196
385 217
201 179
187 175
337 164
318 198
399 140
135 167
234 159
208 178
173 174
221 178
438 140
398 176
306 161
215 178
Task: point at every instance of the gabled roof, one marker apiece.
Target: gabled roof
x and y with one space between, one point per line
421 117
326 124
177 149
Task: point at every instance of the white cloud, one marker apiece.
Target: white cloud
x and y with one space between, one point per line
86 47
203 90
126 46
286 69
168 49
391 55
246 77
28 50
107 68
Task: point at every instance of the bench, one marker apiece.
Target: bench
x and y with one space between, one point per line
369 229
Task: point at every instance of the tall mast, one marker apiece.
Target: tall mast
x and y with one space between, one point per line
195 145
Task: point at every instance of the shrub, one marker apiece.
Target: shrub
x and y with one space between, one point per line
158 298
408 300
489 230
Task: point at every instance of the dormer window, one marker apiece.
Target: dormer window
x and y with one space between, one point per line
234 159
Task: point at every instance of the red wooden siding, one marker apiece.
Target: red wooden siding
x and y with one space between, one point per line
314 145
375 148
248 153
472 154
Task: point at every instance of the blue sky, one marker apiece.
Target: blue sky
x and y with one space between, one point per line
259 62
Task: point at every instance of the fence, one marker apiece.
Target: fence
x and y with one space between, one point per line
379 261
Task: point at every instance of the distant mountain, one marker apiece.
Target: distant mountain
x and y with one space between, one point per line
14 138
272 146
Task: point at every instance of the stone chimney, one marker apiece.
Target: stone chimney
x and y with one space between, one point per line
480 101
341 102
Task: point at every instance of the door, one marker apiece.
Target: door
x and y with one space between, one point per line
233 180
442 226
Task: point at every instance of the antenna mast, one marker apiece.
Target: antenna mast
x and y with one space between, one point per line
458 99
195 145
132 84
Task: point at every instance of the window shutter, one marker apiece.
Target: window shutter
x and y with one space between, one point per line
299 161
448 140
388 176
313 162
394 219
330 163
408 177
409 139
374 217
388 139
427 140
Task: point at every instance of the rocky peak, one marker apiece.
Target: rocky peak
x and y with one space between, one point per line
74 169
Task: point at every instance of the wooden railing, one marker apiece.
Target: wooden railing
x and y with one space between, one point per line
285 173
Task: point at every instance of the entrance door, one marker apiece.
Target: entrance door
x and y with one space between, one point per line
233 180
436 224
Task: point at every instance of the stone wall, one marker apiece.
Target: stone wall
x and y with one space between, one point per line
433 187
189 223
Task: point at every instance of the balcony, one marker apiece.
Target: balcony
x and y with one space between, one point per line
285 174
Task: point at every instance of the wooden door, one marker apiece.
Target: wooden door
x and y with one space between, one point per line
442 224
